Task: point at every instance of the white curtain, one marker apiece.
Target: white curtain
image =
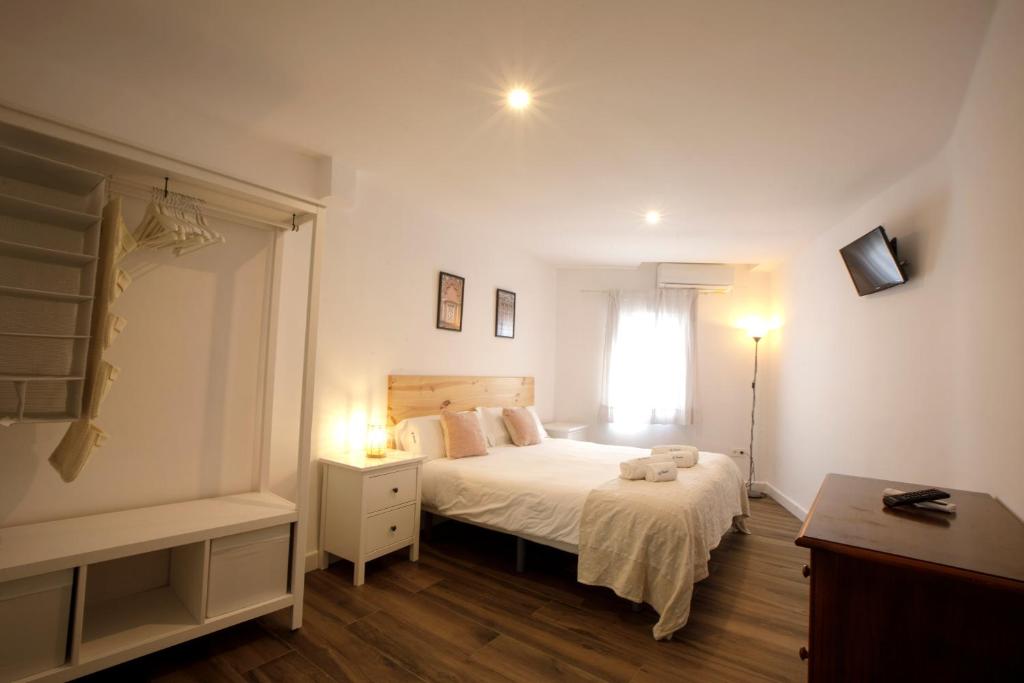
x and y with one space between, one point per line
649 357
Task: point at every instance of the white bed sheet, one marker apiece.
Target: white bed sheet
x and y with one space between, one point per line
535 491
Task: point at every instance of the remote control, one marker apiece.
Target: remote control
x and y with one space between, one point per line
922 496
939 505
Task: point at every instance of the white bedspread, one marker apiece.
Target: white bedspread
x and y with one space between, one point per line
540 490
646 541
650 542
534 491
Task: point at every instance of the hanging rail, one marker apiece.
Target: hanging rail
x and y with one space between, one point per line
144 191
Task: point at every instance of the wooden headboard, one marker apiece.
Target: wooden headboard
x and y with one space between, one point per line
416 395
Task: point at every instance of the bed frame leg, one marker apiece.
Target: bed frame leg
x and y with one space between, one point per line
520 555
426 526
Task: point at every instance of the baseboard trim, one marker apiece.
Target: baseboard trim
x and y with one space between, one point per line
782 499
312 560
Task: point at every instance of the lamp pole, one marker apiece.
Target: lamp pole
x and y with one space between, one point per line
751 493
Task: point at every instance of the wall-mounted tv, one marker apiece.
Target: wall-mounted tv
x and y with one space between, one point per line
873 263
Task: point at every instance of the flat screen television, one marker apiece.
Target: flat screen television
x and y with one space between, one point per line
873 263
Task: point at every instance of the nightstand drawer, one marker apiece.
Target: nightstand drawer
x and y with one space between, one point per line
389 528
388 490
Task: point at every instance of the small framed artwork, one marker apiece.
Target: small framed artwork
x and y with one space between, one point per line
505 314
451 292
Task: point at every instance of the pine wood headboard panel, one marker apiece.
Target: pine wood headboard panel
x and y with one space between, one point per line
416 395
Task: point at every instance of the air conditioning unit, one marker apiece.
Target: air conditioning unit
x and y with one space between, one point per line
706 277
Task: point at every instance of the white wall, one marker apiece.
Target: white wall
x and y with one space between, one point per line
724 358
379 304
921 382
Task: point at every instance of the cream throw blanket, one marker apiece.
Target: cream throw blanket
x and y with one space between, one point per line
651 542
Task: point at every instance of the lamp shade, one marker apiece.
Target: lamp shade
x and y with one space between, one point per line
376 440
756 327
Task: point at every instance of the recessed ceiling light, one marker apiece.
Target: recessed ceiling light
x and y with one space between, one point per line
518 98
652 217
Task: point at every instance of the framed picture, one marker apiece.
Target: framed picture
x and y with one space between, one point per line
505 314
451 292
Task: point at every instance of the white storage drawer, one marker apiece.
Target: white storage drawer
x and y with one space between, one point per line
389 528
388 490
247 569
34 617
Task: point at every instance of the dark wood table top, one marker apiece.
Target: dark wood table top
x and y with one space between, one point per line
983 537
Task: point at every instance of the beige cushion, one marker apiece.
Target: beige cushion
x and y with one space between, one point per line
522 426
463 435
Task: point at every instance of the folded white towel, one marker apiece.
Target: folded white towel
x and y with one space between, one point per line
635 468
683 456
672 448
661 471
686 458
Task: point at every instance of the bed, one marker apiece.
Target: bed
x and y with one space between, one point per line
649 542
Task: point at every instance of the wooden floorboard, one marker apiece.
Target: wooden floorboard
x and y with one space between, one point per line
463 614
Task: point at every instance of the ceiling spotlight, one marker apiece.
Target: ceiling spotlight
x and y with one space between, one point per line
518 98
652 217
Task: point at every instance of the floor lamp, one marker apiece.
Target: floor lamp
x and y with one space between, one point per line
756 335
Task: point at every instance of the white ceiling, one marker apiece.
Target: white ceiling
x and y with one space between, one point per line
751 125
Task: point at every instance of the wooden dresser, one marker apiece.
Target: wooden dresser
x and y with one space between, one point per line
910 595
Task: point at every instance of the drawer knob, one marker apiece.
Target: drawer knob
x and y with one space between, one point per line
804 654
394 490
394 528
806 571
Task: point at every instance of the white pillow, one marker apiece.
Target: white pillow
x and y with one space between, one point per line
494 426
540 425
421 436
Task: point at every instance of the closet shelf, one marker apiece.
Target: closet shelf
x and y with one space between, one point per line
43 335
37 170
41 378
41 294
17 207
34 418
30 251
132 620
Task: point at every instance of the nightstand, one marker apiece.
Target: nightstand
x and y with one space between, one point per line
567 430
369 507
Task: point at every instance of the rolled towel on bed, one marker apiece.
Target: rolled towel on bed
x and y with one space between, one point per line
686 458
639 468
634 469
661 471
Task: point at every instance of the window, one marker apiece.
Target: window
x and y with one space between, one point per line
648 374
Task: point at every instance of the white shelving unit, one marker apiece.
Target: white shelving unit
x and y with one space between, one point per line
44 255
49 236
140 579
142 575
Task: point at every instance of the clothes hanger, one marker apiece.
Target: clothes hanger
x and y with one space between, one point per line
175 221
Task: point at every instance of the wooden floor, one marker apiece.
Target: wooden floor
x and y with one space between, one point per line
463 614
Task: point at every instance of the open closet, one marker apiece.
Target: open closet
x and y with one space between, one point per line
191 514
